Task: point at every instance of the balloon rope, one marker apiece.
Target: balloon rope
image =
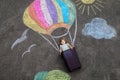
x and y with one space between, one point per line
61 35
70 37
55 42
49 42
73 42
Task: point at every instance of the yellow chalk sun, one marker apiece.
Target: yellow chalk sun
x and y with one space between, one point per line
89 6
88 1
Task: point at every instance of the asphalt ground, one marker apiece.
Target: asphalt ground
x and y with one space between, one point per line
100 59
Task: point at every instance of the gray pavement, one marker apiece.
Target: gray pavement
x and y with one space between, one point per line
100 59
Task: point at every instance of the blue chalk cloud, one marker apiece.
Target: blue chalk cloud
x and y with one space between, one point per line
99 29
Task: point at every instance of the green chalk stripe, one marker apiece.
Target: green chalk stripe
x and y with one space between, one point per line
57 75
41 75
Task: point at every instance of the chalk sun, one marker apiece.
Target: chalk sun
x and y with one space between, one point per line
89 6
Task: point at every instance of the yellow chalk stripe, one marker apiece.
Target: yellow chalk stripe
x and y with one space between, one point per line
29 22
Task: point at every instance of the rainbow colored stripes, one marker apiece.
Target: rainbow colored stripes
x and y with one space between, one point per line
45 14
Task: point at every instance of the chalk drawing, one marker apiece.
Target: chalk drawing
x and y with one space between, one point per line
98 29
21 39
28 51
89 6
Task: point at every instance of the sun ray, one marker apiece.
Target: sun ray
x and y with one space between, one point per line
80 7
78 4
100 1
77 1
83 10
93 10
88 10
97 7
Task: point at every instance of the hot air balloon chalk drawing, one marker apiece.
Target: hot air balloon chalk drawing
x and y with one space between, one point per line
46 16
